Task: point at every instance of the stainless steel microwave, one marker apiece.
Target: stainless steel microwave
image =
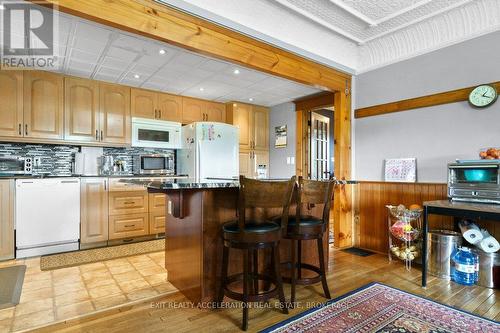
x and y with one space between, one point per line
16 165
154 164
474 181
156 133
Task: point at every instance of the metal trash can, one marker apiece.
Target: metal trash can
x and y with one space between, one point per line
441 244
489 269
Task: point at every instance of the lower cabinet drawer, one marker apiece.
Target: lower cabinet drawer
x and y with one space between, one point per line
131 225
156 222
121 203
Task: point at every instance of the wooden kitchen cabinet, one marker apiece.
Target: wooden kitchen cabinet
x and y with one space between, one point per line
43 105
6 219
215 112
170 107
240 115
115 124
144 103
11 103
130 225
93 210
253 122
157 211
260 128
121 203
81 110
246 165
193 110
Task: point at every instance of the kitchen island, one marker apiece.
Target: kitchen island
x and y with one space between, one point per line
193 246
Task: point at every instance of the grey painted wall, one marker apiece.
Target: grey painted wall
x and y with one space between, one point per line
434 135
282 114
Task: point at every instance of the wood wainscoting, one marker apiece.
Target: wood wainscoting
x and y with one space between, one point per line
371 228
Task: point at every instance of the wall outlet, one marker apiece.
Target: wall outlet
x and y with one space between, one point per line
288 160
292 160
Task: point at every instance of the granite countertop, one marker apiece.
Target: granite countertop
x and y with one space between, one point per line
184 183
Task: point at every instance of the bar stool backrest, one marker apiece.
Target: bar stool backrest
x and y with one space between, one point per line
315 192
264 194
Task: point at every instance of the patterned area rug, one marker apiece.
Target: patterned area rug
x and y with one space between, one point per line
382 309
76 258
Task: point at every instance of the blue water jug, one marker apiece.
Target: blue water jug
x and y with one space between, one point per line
464 262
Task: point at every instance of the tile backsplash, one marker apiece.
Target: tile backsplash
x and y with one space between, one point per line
57 160
54 159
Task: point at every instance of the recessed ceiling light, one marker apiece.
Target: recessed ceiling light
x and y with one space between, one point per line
250 99
235 105
236 71
202 89
162 51
137 76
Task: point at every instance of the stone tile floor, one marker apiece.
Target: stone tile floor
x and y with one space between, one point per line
57 295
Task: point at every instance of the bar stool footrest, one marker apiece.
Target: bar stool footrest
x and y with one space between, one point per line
260 296
304 281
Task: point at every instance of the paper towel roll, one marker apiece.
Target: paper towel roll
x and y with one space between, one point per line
489 244
471 232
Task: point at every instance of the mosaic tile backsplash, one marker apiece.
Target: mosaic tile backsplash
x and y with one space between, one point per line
57 160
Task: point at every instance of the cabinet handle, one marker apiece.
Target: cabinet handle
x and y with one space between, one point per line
159 113
102 135
97 134
105 185
20 129
129 225
156 114
26 129
129 202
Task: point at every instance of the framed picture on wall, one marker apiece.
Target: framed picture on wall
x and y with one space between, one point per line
400 170
280 136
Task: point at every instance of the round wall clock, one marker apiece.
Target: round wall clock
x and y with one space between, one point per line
483 96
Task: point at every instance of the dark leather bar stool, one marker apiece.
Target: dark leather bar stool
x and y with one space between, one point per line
251 235
305 227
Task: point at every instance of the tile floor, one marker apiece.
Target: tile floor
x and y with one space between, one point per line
51 296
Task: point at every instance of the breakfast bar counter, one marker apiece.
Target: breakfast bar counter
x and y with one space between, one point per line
193 246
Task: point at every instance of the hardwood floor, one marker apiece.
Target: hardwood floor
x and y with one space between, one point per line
347 272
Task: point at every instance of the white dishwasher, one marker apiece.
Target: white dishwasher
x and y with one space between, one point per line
47 216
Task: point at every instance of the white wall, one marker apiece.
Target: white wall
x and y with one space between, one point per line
435 135
283 114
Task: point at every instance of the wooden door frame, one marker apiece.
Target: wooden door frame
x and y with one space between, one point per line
169 25
342 205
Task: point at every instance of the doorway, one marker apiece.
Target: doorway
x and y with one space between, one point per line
320 142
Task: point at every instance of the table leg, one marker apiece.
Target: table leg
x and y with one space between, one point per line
424 247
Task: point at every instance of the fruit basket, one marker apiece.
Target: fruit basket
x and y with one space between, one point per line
405 229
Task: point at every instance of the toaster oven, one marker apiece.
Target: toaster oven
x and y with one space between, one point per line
15 165
474 181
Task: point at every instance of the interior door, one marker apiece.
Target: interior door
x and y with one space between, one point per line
43 105
11 103
319 148
144 103
260 128
193 110
81 111
170 107
115 113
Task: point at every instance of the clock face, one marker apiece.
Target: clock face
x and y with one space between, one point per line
483 96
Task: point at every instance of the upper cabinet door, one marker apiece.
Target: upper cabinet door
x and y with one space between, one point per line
144 104
11 103
216 112
260 128
43 105
115 113
242 117
81 110
192 110
170 107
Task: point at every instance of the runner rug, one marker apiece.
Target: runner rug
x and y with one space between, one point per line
380 308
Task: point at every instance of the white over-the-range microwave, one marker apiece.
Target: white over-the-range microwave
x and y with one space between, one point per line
156 133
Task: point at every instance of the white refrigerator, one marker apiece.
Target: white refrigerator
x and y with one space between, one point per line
210 152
